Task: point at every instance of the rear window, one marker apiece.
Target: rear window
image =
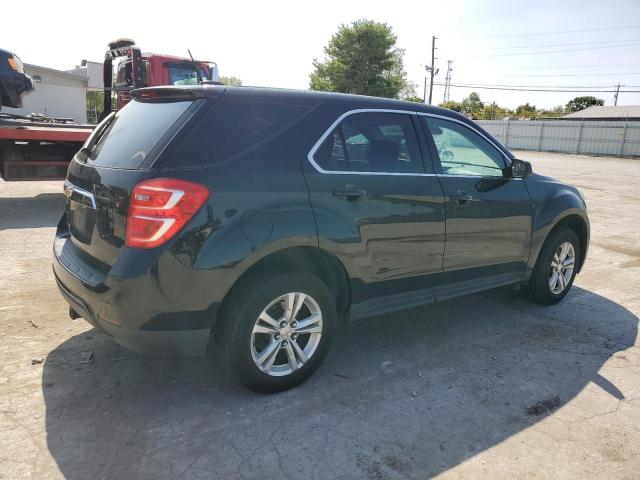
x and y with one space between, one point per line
232 128
180 74
133 133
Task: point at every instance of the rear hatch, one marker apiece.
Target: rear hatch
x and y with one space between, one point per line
122 151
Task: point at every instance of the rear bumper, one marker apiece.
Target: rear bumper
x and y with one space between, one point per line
184 342
135 311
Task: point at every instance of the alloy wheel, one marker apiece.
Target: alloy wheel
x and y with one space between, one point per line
286 334
562 265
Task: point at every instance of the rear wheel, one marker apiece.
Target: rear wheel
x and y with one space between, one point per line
556 267
275 333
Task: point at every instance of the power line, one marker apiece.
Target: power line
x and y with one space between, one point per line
554 51
540 86
557 33
574 75
480 87
592 65
564 44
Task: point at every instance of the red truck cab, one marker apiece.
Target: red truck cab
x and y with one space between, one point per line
139 70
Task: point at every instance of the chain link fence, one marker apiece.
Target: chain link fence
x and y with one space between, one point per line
621 139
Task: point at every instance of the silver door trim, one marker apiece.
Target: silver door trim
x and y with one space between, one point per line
405 112
70 188
335 124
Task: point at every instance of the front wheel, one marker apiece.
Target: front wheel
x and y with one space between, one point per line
556 267
276 332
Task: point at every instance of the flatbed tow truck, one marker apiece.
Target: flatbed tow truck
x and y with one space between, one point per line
36 147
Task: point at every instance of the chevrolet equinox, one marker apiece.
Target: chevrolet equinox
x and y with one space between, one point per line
258 220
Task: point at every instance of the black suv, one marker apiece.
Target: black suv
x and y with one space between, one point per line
258 220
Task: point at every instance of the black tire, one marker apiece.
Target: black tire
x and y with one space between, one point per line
538 287
238 318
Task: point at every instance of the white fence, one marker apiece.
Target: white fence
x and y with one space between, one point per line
589 137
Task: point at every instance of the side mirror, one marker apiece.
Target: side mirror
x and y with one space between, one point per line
520 169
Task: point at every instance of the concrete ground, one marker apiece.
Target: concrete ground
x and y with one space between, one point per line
487 386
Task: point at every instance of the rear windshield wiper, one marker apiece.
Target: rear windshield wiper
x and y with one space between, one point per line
87 149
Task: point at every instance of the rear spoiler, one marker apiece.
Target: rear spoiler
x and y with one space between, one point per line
164 94
177 93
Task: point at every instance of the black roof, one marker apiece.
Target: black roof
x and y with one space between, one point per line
308 97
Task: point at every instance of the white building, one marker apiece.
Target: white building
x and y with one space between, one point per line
60 94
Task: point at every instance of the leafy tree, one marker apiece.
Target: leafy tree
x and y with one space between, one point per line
413 98
526 111
495 112
580 103
472 106
95 105
452 105
409 94
554 112
362 58
233 81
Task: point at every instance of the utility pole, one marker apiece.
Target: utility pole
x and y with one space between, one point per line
447 82
432 68
615 97
424 92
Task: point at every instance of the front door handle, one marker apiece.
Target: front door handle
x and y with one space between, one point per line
349 193
463 197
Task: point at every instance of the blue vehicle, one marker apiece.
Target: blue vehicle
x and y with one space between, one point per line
14 83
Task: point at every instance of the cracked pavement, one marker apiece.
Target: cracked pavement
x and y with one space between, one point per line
436 391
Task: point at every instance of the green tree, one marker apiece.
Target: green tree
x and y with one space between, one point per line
580 103
553 113
362 58
493 111
452 105
472 106
526 111
413 98
233 81
95 105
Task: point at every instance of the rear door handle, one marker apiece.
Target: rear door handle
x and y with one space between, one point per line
463 197
349 193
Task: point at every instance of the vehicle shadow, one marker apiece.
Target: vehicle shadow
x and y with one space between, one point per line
42 210
407 395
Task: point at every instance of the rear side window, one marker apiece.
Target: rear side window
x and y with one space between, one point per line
232 128
133 132
372 142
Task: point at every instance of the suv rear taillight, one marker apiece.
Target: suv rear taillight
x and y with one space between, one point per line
159 208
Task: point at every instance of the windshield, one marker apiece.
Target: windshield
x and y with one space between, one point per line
185 74
133 132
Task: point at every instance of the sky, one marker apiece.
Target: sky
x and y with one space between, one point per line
273 43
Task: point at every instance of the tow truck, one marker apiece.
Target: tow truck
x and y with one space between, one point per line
37 147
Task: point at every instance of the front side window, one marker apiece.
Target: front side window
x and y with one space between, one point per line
372 142
462 151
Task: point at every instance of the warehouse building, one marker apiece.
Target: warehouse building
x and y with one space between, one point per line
59 93
610 113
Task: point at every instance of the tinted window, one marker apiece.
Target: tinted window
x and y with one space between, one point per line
462 151
233 127
133 133
372 142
